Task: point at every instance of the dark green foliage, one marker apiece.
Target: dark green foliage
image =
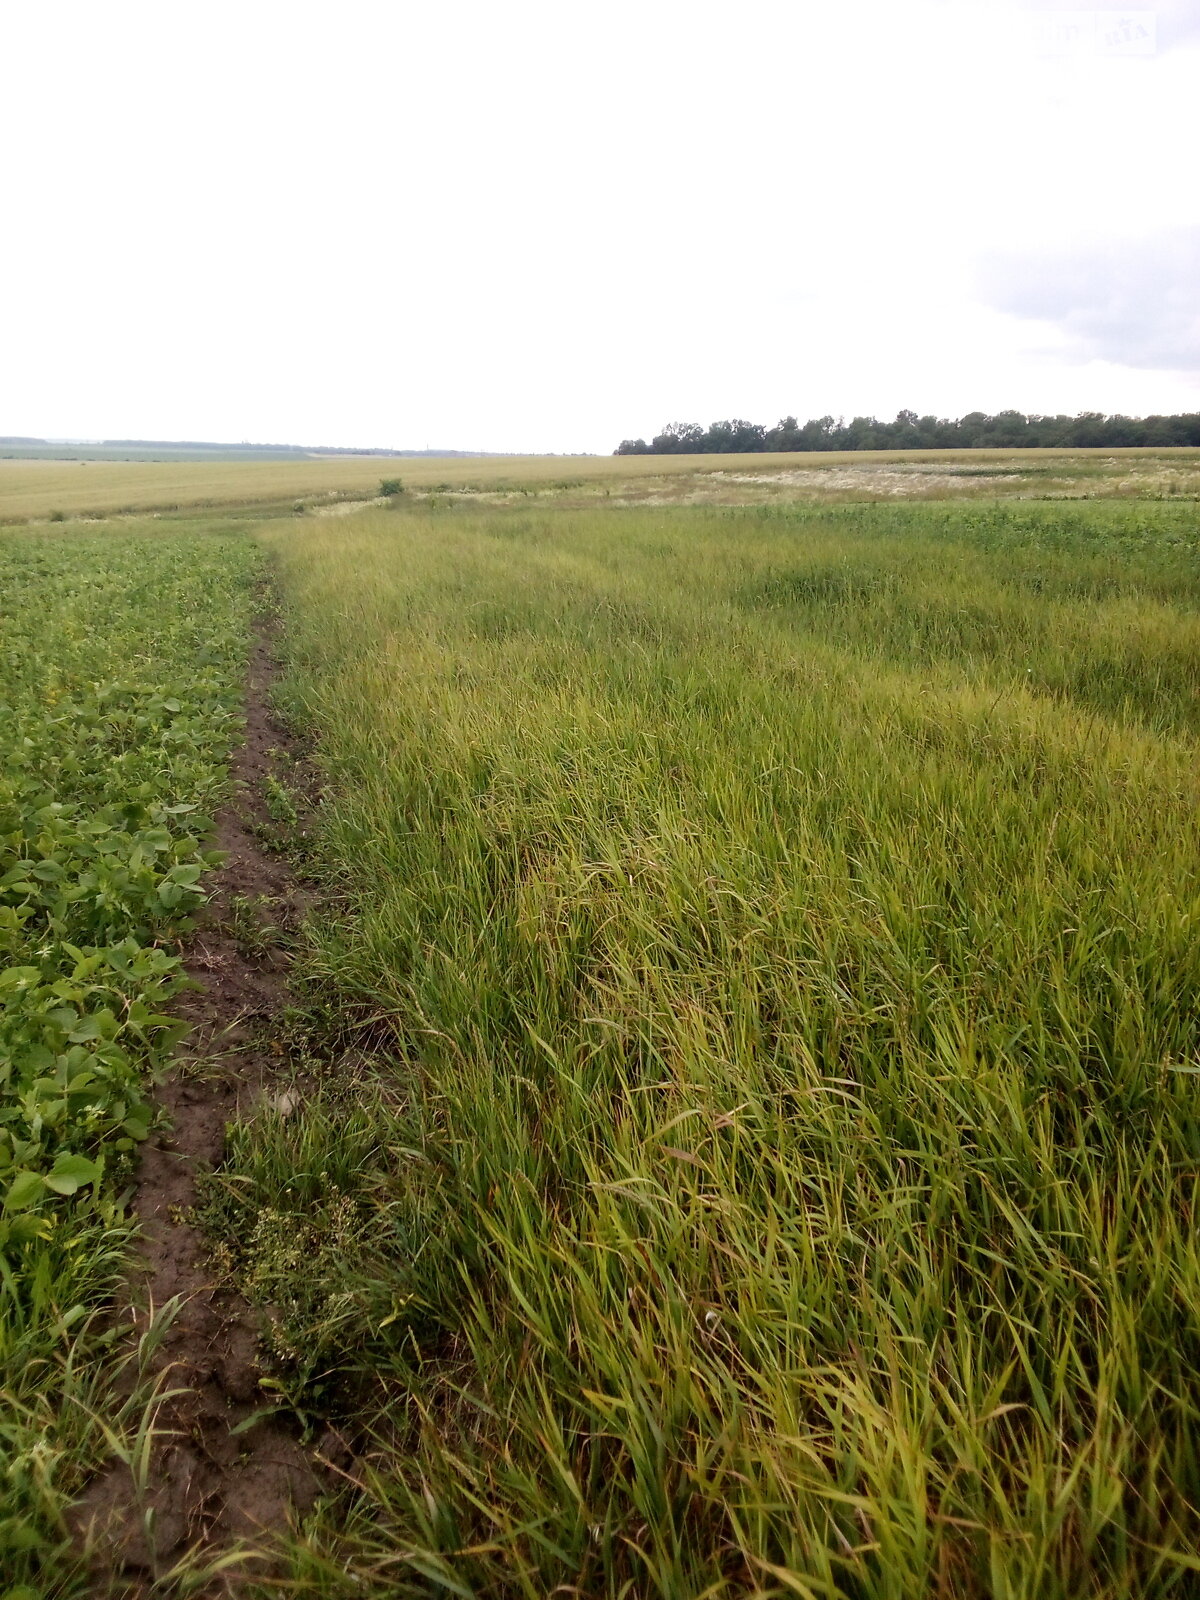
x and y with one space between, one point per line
1006 430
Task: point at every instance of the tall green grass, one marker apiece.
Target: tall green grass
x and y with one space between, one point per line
763 1156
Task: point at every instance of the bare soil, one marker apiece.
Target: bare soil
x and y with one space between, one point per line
210 1485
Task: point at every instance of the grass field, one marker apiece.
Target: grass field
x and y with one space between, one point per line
745 1136
757 1147
40 489
121 658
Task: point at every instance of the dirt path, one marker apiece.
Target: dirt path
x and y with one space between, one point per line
208 1484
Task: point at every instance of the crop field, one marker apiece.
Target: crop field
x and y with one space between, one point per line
40 489
121 659
742 1133
760 1147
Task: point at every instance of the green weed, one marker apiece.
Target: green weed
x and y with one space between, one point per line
775 932
247 919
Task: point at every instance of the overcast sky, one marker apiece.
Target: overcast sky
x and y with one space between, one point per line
534 226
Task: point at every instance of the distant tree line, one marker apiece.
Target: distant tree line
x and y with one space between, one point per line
977 430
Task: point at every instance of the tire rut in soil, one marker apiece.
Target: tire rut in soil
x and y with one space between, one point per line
209 1485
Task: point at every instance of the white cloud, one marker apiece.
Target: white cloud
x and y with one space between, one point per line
1135 302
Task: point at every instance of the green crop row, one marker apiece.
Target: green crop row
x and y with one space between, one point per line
121 660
